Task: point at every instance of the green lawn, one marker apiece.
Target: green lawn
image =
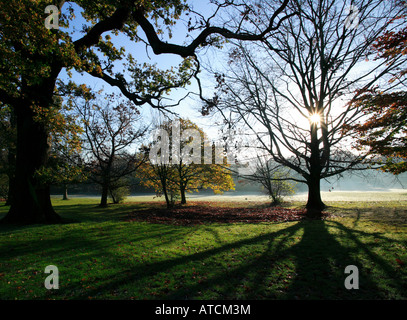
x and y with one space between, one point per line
101 256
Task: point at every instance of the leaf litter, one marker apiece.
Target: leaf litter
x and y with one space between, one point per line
199 214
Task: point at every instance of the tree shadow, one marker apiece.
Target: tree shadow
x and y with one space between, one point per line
97 241
300 260
320 275
305 260
383 214
198 261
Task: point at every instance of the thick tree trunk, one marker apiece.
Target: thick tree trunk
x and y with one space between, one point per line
105 192
106 181
31 201
314 204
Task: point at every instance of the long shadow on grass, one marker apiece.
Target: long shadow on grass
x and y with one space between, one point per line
78 253
320 261
91 212
80 213
306 260
184 289
67 244
312 268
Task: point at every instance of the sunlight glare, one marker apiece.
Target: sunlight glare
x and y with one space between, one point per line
315 118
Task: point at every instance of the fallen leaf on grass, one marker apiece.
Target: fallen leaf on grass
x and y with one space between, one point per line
191 215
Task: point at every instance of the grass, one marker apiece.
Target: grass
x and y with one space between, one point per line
101 256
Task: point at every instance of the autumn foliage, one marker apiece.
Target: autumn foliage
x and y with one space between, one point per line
384 133
175 179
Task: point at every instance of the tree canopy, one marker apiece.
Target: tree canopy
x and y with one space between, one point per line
186 171
33 57
383 132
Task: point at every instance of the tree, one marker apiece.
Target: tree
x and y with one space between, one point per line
192 172
119 194
160 178
7 152
291 90
64 141
274 178
34 56
384 131
64 166
181 165
110 137
4 178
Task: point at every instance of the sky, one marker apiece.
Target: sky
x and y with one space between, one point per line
189 108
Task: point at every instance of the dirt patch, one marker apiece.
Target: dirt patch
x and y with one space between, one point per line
192 215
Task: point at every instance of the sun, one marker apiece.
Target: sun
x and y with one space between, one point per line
315 118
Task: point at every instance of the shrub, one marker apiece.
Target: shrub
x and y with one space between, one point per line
118 195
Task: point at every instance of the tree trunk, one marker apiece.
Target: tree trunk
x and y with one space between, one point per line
167 198
105 192
31 201
314 203
106 181
65 196
11 159
114 200
183 197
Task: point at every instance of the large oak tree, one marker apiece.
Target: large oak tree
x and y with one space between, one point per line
33 57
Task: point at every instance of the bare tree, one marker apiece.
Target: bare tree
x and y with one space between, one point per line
275 178
110 137
291 90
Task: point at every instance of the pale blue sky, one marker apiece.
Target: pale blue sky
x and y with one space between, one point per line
187 108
